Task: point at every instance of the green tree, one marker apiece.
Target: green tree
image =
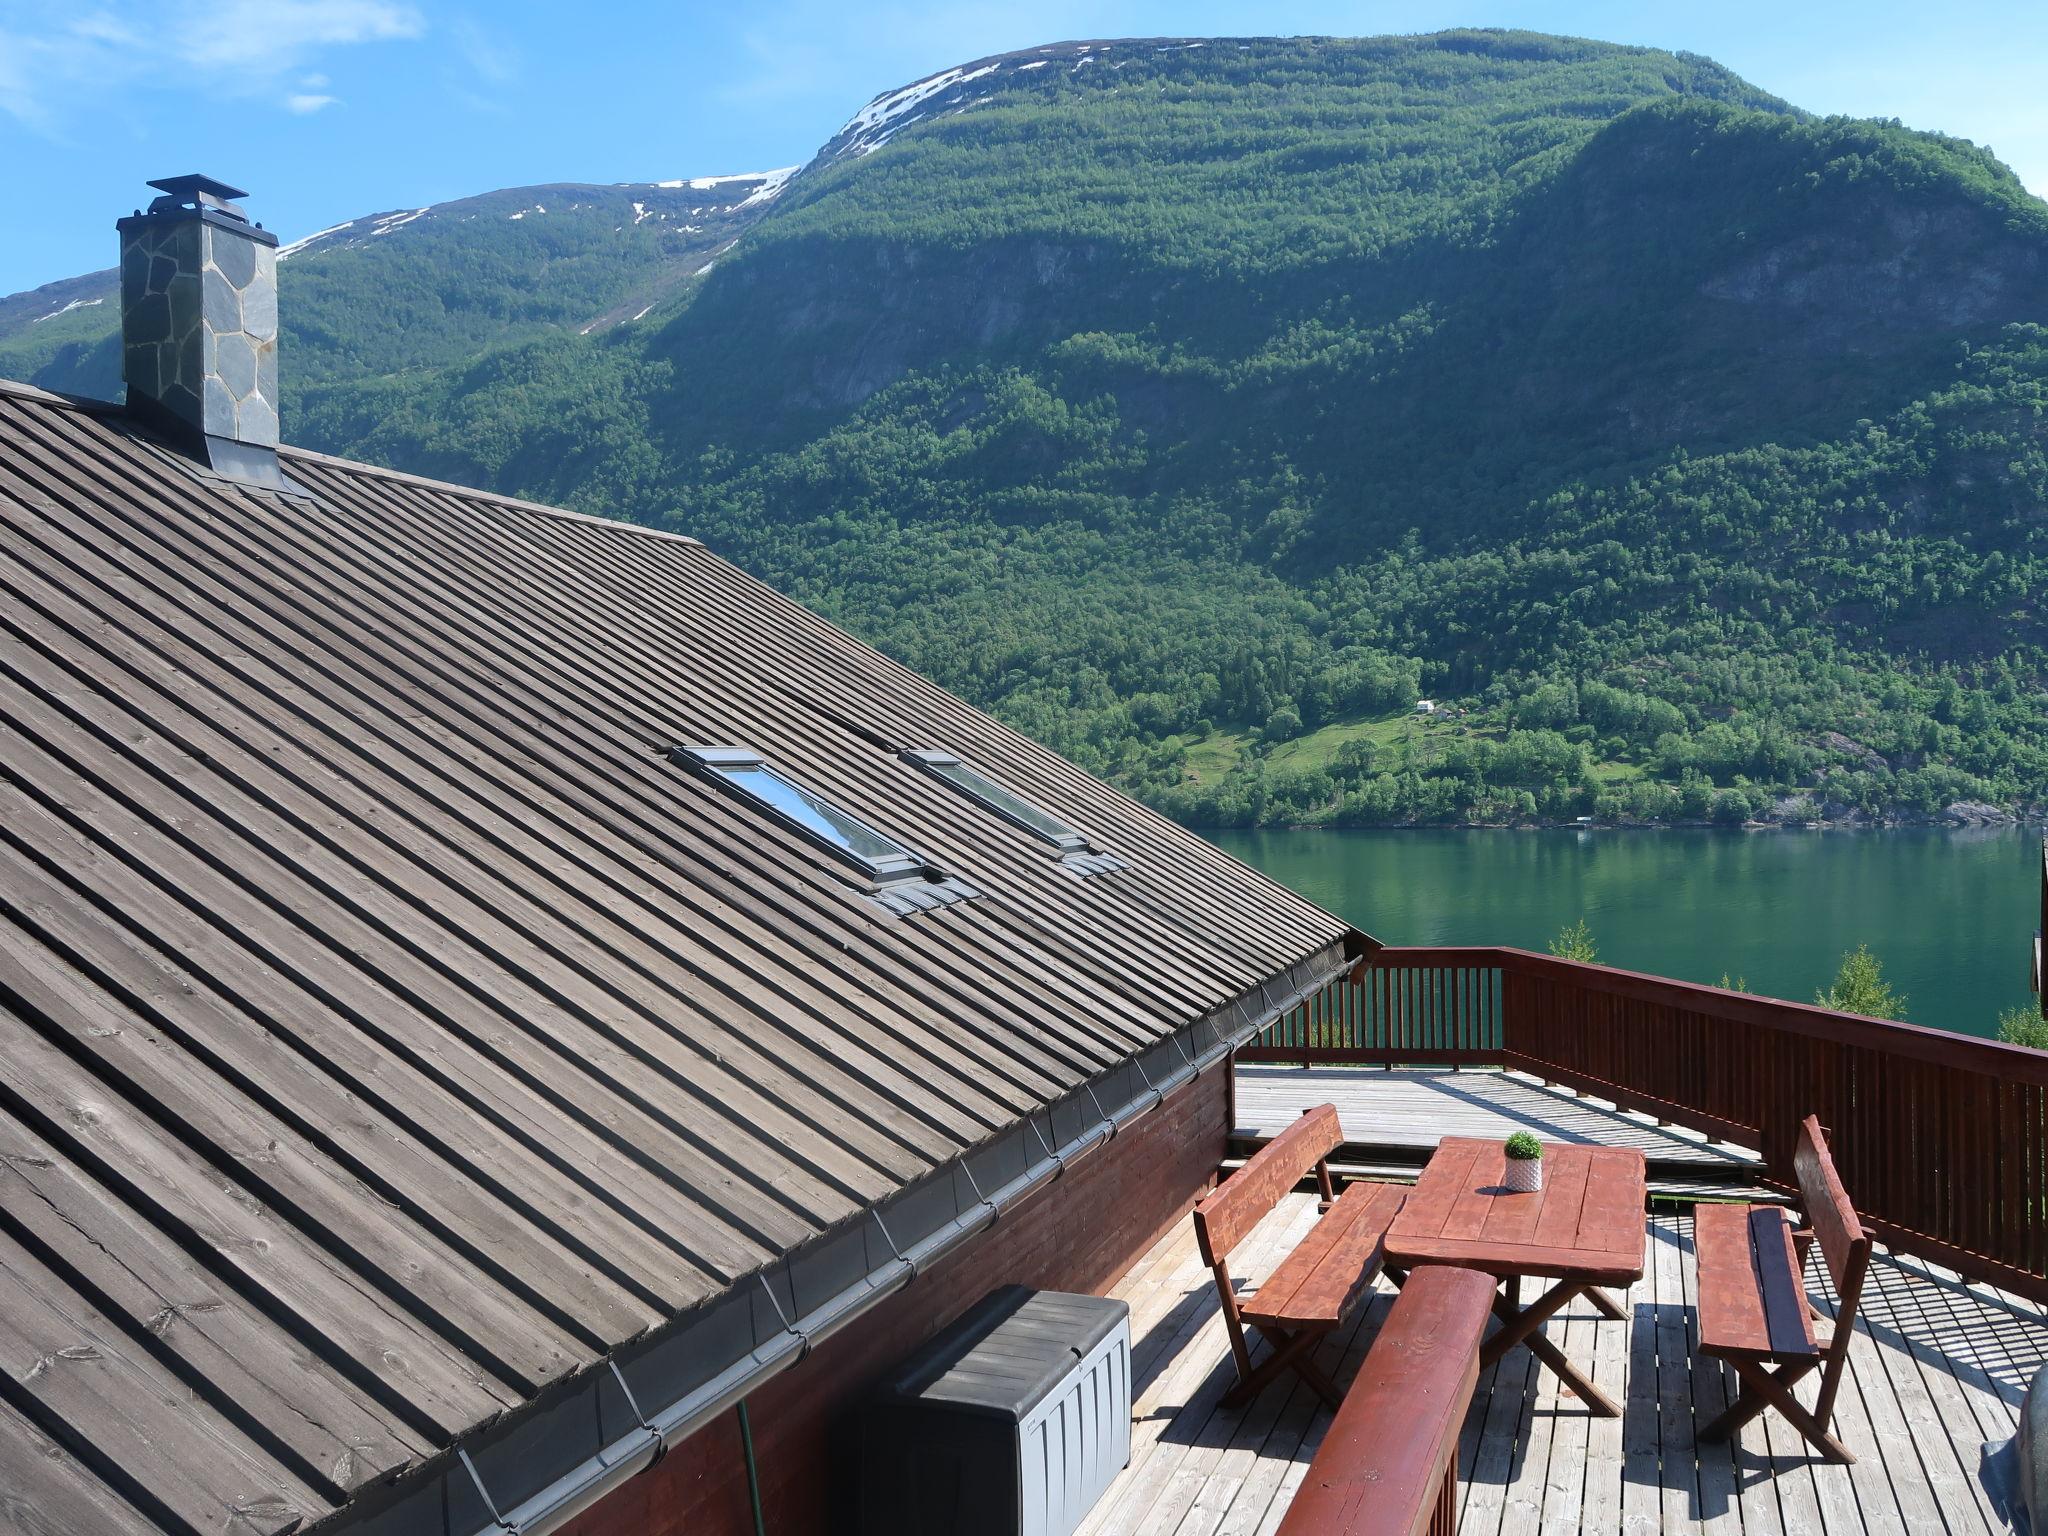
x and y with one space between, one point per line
1860 987
1575 943
2024 1026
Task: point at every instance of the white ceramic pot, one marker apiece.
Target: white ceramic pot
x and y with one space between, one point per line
1525 1175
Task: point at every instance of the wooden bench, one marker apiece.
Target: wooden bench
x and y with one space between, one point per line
1753 1309
1312 1289
1388 1466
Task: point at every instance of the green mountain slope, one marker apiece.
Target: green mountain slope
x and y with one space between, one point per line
408 293
1199 404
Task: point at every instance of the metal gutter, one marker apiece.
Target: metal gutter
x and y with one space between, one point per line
487 1485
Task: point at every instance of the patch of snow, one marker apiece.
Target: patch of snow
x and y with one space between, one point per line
869 146
1034 64
705 268
538 209
287 251
639 212
74 304
1178 47
706 183
894 104
771 184
1086 58
644 313
392 221
519 215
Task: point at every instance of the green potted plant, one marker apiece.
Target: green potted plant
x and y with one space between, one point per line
1525 1163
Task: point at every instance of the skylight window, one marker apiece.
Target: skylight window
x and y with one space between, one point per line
1006 803
841 833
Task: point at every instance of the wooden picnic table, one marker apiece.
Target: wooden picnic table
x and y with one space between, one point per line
1583 1230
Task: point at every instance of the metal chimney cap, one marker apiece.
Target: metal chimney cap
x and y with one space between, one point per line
198 194
201 186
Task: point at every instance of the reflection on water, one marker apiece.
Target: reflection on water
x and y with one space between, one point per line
1951 914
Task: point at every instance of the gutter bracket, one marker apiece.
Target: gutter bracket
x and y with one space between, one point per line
895 1248
980 1199
1158 1095
803 1338
1059 1158
484 1493
632 1402
1101 1113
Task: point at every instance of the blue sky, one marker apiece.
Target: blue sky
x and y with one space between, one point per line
330 109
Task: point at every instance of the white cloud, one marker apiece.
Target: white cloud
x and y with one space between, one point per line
483 69
50 62
266 37
104 29
805 48
493 60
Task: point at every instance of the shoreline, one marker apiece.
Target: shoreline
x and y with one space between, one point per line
2031 821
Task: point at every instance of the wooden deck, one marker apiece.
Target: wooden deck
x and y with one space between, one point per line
1937 1369
1409 1108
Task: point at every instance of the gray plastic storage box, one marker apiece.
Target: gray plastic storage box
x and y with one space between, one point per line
1009 1423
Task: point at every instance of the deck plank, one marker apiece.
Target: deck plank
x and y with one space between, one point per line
1206 1475
1178 1382
1599 1505
1941 1426
1414 1107
1576 1331
1679 1481
1641 1488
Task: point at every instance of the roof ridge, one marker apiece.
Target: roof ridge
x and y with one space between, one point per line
85 403
406 477
41 396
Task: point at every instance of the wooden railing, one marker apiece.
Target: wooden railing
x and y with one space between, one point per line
1942 1139
1414 1006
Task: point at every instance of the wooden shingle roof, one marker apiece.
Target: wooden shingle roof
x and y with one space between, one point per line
391 1031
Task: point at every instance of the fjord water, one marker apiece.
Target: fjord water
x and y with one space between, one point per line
1951 914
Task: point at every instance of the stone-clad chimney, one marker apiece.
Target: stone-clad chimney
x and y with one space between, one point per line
199 326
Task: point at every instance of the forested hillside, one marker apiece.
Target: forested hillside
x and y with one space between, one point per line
1200 405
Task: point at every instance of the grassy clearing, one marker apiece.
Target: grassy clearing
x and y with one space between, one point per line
1210 758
